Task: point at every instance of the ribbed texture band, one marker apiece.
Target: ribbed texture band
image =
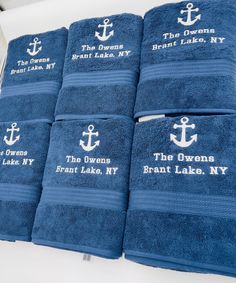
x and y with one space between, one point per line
170 202
32 88
15 192
100 78
85 197
188 68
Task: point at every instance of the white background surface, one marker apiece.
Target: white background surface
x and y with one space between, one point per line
10 4
27 263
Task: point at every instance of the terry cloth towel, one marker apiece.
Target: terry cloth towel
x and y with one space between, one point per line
32 76
188 59
23 152
85 186
182 208
101 68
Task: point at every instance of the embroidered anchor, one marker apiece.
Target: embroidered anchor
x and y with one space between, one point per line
189 12
11 140
89 146
34 44
104 35
183 142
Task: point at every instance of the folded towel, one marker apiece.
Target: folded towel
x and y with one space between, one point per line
101 67
23 151
85 186
33 75
182 209
188 59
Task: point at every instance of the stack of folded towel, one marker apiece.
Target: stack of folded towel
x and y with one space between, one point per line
85 186
182 187
31 81
182 202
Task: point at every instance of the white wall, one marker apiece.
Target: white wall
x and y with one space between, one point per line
26 263
10 4
46 15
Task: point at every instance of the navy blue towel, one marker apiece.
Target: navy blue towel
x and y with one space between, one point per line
32 76
182 208
188 59
85 186
23 152
101 68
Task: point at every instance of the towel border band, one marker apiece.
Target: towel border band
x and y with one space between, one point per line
188 68
90 197
184 203
94 78
44 87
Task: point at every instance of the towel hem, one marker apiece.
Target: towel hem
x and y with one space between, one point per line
14 238
177 264
92 116
78 248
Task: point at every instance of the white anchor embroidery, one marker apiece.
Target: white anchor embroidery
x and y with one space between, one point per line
189 11
11 139
183 142
34 51
104 35
89 146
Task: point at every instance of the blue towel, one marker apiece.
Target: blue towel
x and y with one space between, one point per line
32 76
85 186
182 208
101 68
188 59
23 151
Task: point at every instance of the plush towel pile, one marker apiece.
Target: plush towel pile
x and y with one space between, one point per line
85 186
31 82
179 164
